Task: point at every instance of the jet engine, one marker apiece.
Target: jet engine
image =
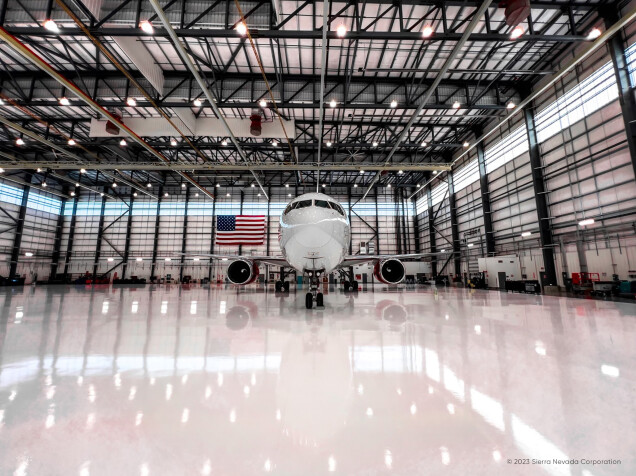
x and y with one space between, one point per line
242 272
389 271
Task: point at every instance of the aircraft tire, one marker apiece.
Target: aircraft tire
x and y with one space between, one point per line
309 300
319 300
354 285
286 286
346 285
278 286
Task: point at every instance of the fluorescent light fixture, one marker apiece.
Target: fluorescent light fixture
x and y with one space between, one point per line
610 370
51 26
427 31
362 171
517 32
341 30
526 233
470 245
594 34
110 260
139 259
168 259
195 259
28 254
146 27
587 221
241 28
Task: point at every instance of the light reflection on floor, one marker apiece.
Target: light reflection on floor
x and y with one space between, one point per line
213 380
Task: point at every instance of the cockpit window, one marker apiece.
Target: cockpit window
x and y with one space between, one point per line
289 208
337 208
322 204
302 204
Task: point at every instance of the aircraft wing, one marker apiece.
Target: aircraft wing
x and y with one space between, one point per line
352 260
272 260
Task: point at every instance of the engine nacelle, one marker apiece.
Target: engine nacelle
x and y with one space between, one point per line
242 272
389 271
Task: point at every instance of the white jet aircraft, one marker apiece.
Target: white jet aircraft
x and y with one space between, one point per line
314 238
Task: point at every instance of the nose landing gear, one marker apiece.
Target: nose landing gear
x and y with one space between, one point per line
313 295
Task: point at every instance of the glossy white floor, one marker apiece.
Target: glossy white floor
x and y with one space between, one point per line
185 381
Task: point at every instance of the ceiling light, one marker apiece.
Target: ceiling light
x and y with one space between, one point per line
183 185
259 194
400 172
1 170
362 171
434 172
424 144
44 184
38 170
64 101
324 185
146 26
51 26
419 185
456 105
134 194
328 144
110 260
470 245
28 254
1 102
72 194
166 194
19 141
139 259
173 142
241 28
168 259
196 194
227 194
289 194
394 103
588 221
510 105
82 171
341 30
197 102
131 102
526 233
122 143
427 31
149 185
388 185
375 144
466 144
77 184
223 142
593 34
253 185
517 32
274 143
286 185
333 103
114 184
262 103
355 185
101 194
71 142
218 185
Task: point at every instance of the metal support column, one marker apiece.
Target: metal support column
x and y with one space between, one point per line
616 47
416 227
377 225
19 229
240 249
57 244
124 267
548 275
100 233
431 230
184 236
485 197
212 238
71 235
398 218
155 243
454 226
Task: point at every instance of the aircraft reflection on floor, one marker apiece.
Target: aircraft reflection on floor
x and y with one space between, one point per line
248 382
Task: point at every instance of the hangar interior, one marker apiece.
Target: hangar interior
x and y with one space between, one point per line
128 126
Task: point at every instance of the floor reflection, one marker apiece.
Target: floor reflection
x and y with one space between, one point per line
218 380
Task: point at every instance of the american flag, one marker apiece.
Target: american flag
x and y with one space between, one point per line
240 229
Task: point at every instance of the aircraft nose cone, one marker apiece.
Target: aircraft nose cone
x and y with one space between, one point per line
315 235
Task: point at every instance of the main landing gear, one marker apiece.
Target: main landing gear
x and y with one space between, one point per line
313 295
348 283
281 286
